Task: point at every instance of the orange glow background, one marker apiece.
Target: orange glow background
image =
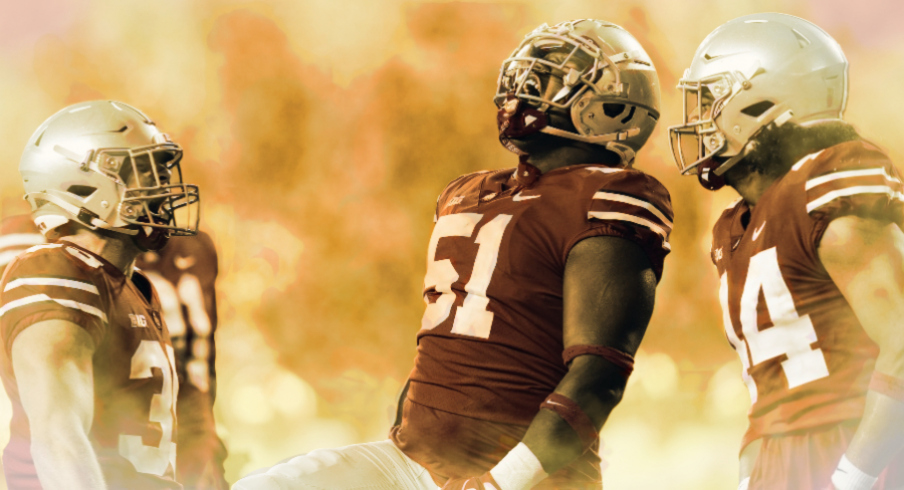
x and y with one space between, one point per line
321 132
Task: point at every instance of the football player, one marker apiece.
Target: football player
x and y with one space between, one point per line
540 283
183 273
810 256
88 363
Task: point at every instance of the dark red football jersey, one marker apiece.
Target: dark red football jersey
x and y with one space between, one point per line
490 345
135 383
807 360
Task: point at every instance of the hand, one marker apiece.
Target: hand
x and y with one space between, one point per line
483 482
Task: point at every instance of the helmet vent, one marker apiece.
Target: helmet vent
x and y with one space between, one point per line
801 39
630 114
613 110
756 110
81 190
40 136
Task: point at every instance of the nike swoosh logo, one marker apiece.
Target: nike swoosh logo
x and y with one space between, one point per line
518 197
183 263
756 232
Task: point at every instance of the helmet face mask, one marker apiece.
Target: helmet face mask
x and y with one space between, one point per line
591 78
104 164
550 71
153 190
700 138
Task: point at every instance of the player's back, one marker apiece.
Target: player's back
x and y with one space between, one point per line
807 360
490 346
134 383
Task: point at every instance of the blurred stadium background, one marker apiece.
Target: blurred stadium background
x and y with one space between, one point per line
321 132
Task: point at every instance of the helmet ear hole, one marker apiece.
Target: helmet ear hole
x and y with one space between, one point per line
613 110
82 191
756 110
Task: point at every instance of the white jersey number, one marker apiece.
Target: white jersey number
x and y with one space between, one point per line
154 459
472 318
790 333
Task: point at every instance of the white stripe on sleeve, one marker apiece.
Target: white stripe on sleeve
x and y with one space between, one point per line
21 240
852 191
608 196
8 256
849 174
608 215
37 298
803 161
51 281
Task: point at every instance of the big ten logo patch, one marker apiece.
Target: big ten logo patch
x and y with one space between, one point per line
138 320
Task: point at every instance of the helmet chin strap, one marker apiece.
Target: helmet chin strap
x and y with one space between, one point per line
707 176
155 239
517 119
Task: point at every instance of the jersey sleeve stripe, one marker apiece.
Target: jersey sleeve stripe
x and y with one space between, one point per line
606 215
8 256
609 196
43 247
852 191
51 281
847 174
37 298
21 240
803 161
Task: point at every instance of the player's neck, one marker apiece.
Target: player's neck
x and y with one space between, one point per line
550 159
752 186
115 248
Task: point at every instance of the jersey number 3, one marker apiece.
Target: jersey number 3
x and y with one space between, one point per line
790 333
471 318
154 459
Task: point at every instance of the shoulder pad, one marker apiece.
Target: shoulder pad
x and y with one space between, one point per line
631 196
47 278
853 178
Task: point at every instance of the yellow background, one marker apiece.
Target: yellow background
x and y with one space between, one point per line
321 132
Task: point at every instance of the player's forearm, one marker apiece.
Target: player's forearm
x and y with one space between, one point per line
880 434
64 458
596 387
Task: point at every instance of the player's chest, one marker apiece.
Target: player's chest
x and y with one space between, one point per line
133 320
509 231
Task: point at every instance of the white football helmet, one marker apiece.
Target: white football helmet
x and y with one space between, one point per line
104 164
593 70
752 72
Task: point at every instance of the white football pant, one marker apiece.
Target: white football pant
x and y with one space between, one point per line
369 466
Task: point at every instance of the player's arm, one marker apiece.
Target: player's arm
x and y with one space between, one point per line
865 258
609 291
52 361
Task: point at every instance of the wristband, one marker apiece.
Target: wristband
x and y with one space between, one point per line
519 469
887 385
622 360
572 414
849 477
